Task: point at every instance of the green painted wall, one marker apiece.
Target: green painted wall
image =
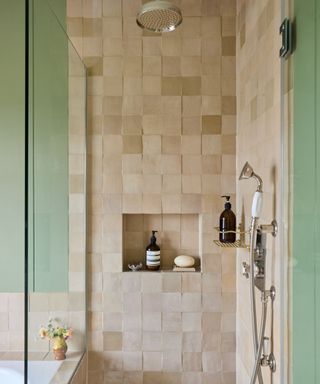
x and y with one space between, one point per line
306 197
12 127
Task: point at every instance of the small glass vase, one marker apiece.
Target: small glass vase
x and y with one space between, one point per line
60 348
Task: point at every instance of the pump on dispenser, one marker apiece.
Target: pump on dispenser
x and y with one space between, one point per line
227 223
153 253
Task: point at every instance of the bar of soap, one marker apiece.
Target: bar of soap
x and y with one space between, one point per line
184 261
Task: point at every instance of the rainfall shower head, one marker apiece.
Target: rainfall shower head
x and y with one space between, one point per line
159 16
247 173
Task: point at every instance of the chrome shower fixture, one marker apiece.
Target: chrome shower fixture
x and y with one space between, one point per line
256 271
159 16
247 173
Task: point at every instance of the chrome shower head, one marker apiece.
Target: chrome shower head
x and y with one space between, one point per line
159 16
247 172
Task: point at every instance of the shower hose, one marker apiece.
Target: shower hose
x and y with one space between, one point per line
257 342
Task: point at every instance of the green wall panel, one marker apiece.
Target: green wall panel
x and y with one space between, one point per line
50 150
48 204
12 127
306 199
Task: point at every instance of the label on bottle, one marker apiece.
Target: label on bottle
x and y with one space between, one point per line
153 258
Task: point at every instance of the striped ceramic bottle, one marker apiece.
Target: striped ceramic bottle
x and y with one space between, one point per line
153 254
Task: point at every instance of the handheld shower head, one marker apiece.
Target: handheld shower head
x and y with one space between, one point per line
247 172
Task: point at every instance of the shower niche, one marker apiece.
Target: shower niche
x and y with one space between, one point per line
177 234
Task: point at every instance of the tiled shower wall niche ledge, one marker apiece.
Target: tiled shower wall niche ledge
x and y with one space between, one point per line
177 235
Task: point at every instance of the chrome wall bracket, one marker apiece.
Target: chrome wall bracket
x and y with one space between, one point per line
268 359
272 362
270 228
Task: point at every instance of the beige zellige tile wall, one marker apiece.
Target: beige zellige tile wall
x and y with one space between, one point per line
258 141
161 123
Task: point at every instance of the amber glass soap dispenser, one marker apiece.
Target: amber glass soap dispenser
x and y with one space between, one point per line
153 254
227 223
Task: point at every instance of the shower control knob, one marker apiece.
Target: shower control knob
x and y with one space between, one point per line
245 269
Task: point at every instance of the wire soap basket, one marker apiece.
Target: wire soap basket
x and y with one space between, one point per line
239 243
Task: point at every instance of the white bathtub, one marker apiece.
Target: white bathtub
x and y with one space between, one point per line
39 372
